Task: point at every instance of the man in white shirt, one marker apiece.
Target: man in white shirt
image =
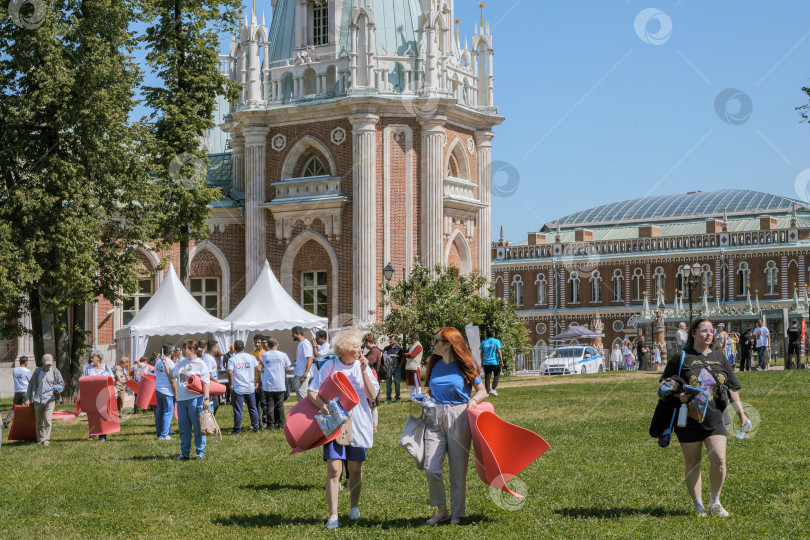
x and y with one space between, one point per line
303 363
275 366
763 336
243 374
681 336
165 390
321 344
21 376
209 357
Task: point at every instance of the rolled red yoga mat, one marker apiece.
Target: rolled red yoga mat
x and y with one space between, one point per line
63 415
98 401
195 385
502 450
302 430
24 426
133 385
146 392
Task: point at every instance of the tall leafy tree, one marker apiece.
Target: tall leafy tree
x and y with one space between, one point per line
75 170
431 299
182 44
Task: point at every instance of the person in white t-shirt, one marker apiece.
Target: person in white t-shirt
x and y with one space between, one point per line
321 343
304 358
763 337
243 374
190 404
21 376
211 351
275 365
98 369
681 336
347 346
165 389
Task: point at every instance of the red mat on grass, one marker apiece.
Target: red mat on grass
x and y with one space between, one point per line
302 430
98 401
24 426
502 450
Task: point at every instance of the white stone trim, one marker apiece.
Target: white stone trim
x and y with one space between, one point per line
463 251
225 290
288 262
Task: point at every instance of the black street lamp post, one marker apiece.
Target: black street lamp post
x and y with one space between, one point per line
691 277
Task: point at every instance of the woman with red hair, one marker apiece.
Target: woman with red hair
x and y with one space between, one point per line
452 373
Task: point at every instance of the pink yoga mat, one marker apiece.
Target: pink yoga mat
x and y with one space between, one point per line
195 385
23 427
302 430
98 401
146 392
502 450
133 385
63 415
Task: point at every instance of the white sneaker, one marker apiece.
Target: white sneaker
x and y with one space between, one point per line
718 510
166 438
494 392
354 514
332 523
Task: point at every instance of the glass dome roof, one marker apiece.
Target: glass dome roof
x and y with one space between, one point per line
679 207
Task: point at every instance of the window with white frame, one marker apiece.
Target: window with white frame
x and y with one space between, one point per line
743 278
707 277
314 292
131 305
618 285
205 290
659 280
573 288
771 277
638 283
596 286
314 167
517 290
320 23
541 285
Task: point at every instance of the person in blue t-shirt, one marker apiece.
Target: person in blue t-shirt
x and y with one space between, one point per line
451 375
492 360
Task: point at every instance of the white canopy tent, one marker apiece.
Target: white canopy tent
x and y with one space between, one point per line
172 311
267 307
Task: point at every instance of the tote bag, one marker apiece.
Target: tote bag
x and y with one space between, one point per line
413 439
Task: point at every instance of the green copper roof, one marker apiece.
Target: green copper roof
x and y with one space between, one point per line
396 22
282 31
678 207
219 172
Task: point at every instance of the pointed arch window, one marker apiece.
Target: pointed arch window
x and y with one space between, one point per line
771 277
541 285
743 278
618 285
596 286
659 280
314 167
517 290
637 280
573 288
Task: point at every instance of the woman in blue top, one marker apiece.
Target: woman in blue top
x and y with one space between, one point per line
451 376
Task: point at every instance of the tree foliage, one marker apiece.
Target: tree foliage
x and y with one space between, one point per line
182 44
431 299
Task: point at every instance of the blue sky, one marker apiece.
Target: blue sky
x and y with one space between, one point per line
597 112
594 114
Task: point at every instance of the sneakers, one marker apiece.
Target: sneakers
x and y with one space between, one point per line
332 523
182 458
354 514
718 510
494 392
200 456
166 438
701 512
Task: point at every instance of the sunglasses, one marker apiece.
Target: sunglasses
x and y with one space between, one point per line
706 330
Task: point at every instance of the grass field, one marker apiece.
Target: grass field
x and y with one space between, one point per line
603 477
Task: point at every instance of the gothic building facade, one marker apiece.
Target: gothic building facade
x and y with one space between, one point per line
362 136
623 262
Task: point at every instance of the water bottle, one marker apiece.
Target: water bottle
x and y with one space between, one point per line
682 416
744 429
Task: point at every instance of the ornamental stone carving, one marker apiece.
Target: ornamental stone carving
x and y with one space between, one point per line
279 142
338 136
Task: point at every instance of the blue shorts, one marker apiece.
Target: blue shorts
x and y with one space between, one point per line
333 450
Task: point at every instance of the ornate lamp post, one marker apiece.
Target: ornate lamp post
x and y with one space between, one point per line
691 277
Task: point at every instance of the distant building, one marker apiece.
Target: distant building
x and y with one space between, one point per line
753 249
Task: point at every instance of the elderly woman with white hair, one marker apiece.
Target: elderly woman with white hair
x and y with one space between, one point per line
347 346
97 368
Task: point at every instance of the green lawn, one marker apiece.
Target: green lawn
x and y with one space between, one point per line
604 476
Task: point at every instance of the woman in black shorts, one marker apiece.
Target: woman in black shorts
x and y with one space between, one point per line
698 356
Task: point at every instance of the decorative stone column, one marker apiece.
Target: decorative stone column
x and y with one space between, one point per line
238 162
364 209
483 153
433 140
255 229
